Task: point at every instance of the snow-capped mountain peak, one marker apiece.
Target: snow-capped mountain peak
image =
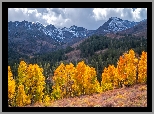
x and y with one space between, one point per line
115 24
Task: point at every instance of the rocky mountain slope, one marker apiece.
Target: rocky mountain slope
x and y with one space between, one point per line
139 30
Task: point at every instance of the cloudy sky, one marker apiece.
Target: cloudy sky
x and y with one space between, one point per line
89 18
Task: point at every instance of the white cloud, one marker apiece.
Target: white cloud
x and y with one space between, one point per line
54 18
137 14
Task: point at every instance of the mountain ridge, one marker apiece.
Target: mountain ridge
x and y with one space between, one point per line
30 38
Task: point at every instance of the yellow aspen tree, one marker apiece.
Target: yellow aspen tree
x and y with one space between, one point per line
22 70
70 81
121 72
64 82
86 79
108 78
22 73
22 99
142 68
127 68
80 72
91 83
35 83
11 87
131 68
59 79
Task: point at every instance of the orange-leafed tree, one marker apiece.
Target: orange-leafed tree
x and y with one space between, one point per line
86 79
91 83
80 77
127 68
142 68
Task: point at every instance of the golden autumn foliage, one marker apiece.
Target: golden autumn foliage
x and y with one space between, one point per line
11 86
142 68
22 99
126 71
58 80
30 84
127 68
72 81
86 79
35 82
22 72
108 78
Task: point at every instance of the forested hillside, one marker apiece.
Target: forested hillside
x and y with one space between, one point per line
96 51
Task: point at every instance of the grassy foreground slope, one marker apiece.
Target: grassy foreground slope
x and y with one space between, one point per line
134 96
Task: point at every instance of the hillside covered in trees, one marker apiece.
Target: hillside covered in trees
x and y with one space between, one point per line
96 51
